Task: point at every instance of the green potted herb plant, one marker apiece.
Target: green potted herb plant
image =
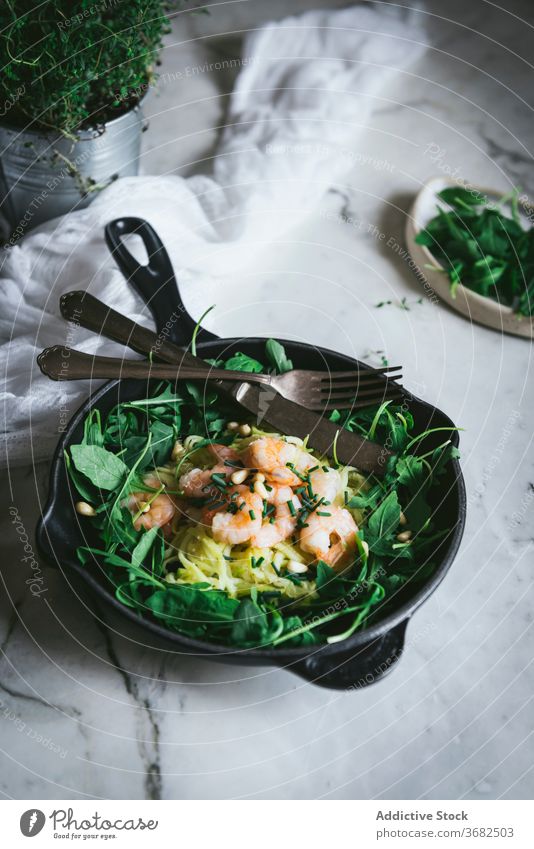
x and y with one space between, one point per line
74 73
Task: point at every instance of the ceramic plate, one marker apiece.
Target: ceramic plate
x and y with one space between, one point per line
474 306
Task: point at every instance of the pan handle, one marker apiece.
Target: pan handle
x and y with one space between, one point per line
357 667
155 282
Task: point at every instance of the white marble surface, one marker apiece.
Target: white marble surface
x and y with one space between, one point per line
86 712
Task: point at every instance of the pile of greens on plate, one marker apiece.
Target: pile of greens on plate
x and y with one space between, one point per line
483 248
398 528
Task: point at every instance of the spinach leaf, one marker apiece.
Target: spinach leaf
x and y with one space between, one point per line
459 197
254 625
84 488
277 356
382 525
184 606
410 471
242 362
144 545
483 248
328 584
104 469
163 437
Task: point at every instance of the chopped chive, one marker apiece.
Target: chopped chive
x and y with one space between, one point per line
252 514
313 469
268 488
214 505
291 508
296 472
323 513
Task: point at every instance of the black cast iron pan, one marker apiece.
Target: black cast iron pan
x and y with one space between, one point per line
358 661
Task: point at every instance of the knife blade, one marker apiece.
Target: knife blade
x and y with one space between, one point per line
263 402
323 435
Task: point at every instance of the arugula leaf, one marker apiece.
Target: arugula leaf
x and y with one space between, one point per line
104 469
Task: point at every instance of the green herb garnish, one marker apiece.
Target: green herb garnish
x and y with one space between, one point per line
483 245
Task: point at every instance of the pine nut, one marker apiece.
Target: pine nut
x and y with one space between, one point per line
295 567
278 560
403 520
259 488
177 450
232 426
85 509
144 506
404 536
259 477
294 440
245 430
239 477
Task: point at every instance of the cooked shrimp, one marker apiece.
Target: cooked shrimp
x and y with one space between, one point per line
284 519
326 483
198 483
223 452
272 455
157 512
240 525
330 538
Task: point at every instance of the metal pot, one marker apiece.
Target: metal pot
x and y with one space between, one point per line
43 175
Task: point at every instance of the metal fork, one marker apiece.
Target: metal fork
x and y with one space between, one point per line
314 390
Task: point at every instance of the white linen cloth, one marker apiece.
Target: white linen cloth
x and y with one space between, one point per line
299 103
